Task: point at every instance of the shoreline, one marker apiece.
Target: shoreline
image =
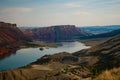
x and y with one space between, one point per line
76 66
11 49
42 45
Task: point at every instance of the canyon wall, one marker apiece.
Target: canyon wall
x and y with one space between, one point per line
55 33
10 37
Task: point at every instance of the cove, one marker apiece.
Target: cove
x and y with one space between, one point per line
26 56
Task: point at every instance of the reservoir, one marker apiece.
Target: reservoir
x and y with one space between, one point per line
28 55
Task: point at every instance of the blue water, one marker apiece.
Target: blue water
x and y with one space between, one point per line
29 55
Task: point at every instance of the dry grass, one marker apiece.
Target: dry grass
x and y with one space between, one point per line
113 74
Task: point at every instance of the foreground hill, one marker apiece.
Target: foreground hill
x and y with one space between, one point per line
107 54
82 65
55 33
10 37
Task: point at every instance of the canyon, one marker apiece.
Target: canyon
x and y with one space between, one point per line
86 64
12 38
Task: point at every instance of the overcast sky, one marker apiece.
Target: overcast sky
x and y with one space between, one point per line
60 12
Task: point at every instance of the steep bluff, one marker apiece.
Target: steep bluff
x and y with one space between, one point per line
55 33
10 37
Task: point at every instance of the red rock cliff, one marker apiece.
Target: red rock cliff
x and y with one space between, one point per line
10 36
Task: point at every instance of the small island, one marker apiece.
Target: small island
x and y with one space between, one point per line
41 49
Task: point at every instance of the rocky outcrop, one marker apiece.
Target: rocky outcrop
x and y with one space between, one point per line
55 33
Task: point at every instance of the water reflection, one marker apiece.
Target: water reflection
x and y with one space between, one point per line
7 55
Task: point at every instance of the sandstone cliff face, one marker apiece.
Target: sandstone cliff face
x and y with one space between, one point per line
10 37
55 33
9 33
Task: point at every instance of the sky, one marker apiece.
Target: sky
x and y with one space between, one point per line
60 12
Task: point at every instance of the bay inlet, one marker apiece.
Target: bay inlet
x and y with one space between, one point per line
26 56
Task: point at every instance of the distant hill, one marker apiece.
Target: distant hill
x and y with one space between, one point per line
103 35
55 33
99 29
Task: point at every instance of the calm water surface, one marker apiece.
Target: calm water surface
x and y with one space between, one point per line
28 55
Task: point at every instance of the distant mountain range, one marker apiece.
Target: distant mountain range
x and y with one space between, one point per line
55 33
103 35
89 29
99 29
86 32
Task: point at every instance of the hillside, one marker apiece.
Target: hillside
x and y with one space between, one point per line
55 33
107 54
